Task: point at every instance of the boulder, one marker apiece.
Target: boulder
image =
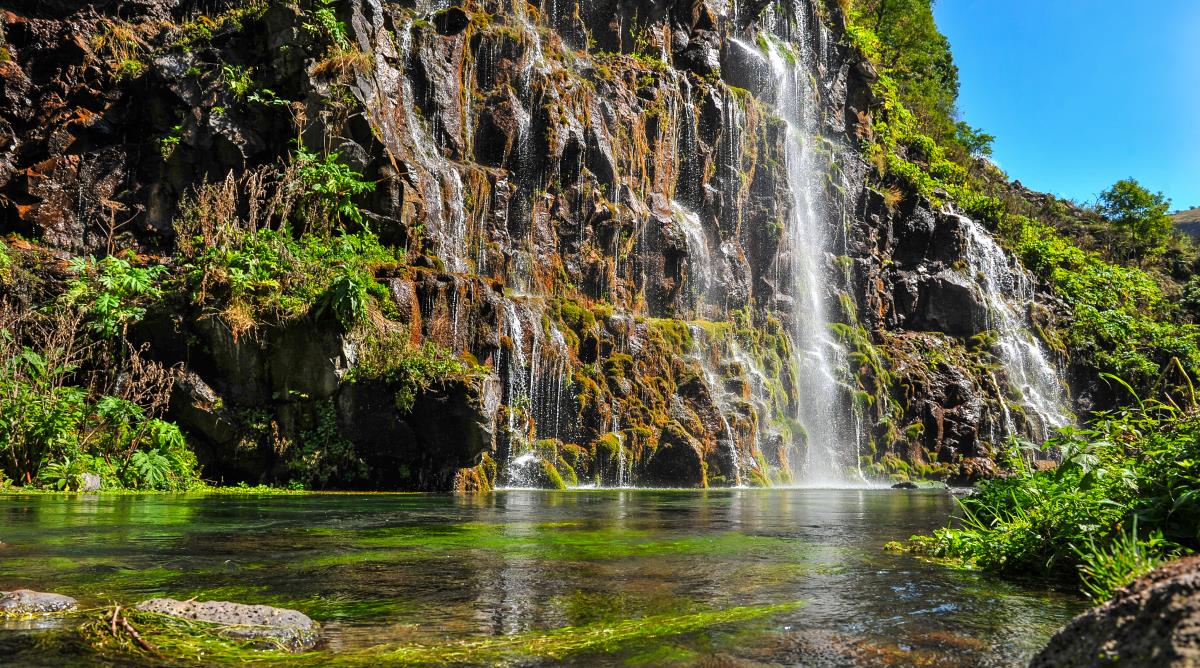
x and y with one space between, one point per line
309 360
950 303
678 461
1155 621
448 428
25 602
90 482
274 627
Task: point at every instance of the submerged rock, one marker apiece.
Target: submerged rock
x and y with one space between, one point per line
23 602
1155 621
905 485
275 627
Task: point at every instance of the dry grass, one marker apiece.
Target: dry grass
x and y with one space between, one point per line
891 197
342 64
120 46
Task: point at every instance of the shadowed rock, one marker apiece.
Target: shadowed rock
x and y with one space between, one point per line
1155 621
275 627
23 602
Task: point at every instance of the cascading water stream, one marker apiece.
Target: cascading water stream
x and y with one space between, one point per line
804 268
536 375
441 182
1007 292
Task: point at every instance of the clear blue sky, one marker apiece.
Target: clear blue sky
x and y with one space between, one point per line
1082 93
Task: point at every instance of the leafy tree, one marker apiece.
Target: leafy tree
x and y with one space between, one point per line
917 55
1138 218
975 141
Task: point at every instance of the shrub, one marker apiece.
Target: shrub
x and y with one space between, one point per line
331 184
409 370
113 292
1136 467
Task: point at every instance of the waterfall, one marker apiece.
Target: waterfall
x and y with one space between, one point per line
702 269
440 182
535 379
520 453
1008 292
703 353
804 268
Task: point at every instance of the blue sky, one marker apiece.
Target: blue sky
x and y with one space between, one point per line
1082 93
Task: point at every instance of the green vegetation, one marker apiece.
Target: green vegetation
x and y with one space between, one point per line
1125 496
113 293
257 268
903 39
165 636
77 399
1127 492
1141 226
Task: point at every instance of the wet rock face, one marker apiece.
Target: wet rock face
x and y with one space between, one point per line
1155 621
24 602
577 188
270 627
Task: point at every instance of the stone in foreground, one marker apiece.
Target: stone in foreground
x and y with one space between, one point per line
274 627
1155 621
24 602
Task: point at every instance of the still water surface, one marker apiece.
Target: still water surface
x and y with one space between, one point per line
429 569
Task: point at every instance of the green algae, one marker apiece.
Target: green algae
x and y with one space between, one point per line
552 542
181 642
561 642
416 572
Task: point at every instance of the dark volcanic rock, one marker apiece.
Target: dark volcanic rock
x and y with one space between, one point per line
24 602
275 627
572 188
1155 621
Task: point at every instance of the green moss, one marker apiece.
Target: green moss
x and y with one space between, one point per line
676 335
608 444
550 475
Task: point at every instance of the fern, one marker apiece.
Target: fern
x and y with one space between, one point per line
153 468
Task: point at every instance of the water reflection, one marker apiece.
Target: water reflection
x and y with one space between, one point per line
414 568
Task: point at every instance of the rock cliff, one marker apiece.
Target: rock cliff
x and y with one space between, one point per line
649 225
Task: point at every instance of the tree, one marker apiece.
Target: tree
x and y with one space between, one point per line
1138 219
917 55
976 142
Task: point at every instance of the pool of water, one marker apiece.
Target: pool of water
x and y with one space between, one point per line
432 570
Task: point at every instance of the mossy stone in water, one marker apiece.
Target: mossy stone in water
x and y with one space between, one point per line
275 627
28 603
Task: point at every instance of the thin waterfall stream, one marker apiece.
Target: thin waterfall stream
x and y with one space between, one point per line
804 265
1008 293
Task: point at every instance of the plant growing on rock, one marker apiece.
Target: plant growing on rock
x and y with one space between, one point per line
253 268
331 184
407 369
113 292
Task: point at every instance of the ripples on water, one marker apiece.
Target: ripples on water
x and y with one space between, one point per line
423 569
